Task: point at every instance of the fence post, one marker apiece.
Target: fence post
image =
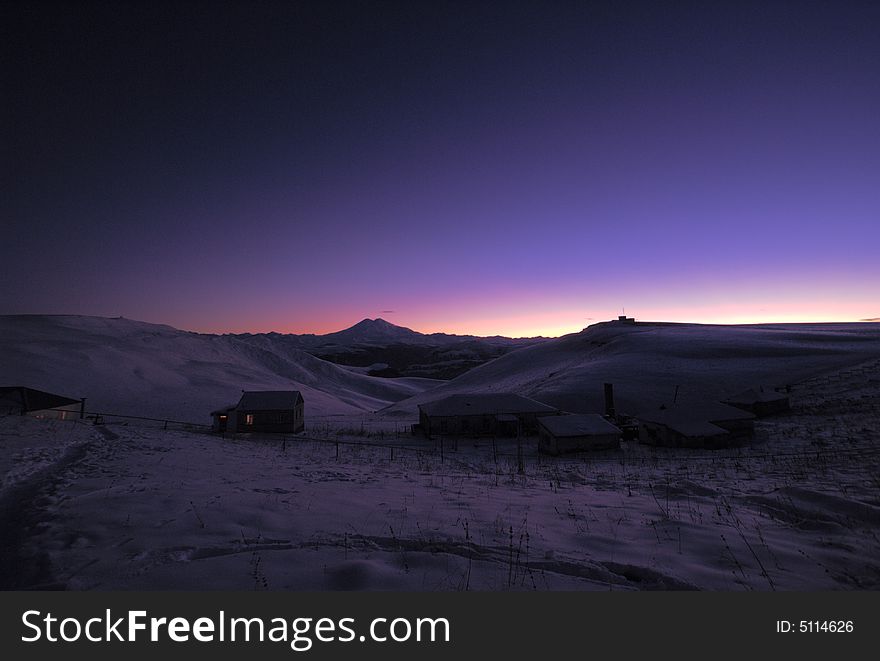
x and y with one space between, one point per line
520 466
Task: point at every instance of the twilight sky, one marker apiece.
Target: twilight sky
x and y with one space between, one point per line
512 168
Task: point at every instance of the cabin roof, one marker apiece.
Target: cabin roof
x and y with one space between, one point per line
694 418
31 399
690 427
755 395
483 404
224 410
705 410
269 400
587 424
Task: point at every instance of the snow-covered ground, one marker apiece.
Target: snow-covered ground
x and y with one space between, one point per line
142 507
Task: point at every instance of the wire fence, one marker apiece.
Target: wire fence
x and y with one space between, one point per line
512 449
99 418
448 449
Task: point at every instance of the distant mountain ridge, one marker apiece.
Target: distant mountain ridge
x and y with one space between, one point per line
381 332
386 349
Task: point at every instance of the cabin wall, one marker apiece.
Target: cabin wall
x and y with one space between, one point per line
459 425
738 428
763 409
277 421
546 442
651 433
713 441
69 412
551 444
478 425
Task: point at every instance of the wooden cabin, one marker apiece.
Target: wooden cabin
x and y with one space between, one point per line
265 411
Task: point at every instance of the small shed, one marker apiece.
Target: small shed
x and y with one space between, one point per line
574 433
760 401
224 419
273 411
20 400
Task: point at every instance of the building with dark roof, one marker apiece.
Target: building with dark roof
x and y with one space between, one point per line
695 424
273 411
760 401
20 400
574 433
482 414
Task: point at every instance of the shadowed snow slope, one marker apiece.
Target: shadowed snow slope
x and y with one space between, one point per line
646 362
135 368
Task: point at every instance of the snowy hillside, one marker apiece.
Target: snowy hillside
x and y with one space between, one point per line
135 368
646 362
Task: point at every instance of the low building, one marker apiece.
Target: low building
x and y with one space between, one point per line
224 419
760 401
273 411
574 433
482 414
20 400
695 424
682 432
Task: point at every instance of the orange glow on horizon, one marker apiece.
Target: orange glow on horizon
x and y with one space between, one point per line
562 322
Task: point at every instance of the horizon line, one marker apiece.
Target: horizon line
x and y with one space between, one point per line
183 327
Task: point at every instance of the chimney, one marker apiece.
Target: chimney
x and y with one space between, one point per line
609 400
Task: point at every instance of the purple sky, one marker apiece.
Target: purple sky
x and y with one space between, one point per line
530 170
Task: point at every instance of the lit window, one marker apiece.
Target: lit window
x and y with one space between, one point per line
249 419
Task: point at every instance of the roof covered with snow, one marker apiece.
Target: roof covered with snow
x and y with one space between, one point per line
694 418
269 400
704 410
755 395
688 426
588 424
483 404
